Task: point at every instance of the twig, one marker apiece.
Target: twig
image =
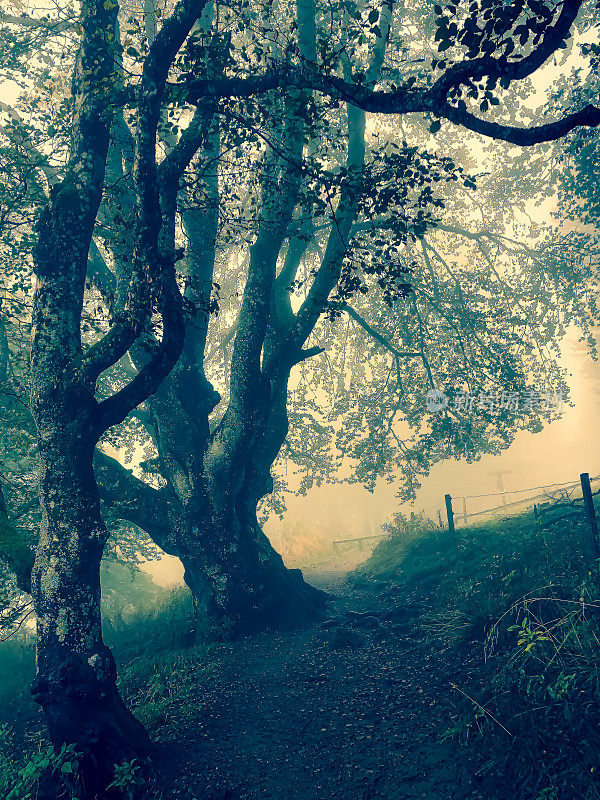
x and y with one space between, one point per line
15 630
479 706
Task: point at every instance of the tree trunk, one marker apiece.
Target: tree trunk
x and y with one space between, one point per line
76 677
240 583
76 672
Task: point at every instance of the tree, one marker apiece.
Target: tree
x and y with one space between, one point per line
230 567
76 674
227 470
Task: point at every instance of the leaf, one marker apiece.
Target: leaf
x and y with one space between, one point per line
435 126
373 15
67 768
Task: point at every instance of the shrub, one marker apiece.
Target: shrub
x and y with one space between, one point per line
19 781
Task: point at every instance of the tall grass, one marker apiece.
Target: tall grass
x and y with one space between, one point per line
532 598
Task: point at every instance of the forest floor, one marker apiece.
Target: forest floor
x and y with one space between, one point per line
354 708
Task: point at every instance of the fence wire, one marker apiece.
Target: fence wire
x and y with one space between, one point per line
462 515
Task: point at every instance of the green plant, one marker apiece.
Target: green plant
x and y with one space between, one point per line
129 777
542 689
548 793
529 633
531 712
162 689
64 764
9 767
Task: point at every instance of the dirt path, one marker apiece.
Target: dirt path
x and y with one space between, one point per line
352 709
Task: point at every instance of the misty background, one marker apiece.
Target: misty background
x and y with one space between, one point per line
557 454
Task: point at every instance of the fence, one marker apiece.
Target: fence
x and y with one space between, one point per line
559 500
553 495
550 492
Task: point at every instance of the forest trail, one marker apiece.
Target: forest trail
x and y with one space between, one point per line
354 708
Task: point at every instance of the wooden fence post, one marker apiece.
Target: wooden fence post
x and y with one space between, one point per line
465 510
450 514
590 511
440 519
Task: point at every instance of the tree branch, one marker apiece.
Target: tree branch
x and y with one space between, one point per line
588 117
131 498
309 352
426 99
372 332
115 408
488 66
399 101
46 24
153 263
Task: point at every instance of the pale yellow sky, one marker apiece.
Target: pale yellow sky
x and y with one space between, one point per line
558 454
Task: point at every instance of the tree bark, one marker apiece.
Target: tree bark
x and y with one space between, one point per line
76 673
238 582
216 479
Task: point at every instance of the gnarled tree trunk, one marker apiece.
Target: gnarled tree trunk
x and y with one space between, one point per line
216 479
76 674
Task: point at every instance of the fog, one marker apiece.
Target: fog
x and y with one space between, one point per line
557 454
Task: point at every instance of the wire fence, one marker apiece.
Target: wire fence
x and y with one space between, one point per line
551 492
464 514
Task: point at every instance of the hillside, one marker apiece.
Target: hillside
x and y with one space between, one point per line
530 600
461 667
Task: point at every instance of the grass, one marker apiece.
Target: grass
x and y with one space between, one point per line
163 690
483 569
162 659
532 597
161 667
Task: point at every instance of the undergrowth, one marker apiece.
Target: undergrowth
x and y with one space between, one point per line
161 659
531 597
536 716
